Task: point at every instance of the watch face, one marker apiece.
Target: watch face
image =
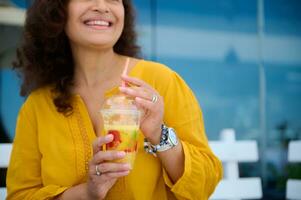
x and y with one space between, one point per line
172 136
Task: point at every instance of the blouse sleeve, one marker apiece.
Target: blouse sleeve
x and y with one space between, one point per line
24 179
202 170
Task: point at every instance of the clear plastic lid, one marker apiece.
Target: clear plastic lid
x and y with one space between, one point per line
120 102
120 110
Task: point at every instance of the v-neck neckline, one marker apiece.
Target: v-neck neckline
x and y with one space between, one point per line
84 110
115 89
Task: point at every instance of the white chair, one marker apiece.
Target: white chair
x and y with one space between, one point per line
293 187
231 152
5 150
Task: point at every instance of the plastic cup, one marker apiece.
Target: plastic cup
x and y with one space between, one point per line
121 118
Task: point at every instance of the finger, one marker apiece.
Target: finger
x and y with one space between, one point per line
137 92
111 167
108 183
100 141
102 156
146 104
135 81
112 175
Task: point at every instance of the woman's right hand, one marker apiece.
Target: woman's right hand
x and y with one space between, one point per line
99 185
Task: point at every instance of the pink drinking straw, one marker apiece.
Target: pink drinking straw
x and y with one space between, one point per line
125 70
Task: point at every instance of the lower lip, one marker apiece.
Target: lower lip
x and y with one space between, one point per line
95 27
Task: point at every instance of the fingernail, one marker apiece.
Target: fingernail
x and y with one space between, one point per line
122 88
109 137
121 154
127 166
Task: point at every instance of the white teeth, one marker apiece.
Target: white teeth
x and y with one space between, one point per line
98 22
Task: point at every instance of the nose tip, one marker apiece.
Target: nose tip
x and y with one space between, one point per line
100 6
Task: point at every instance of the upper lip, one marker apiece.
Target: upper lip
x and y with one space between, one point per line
98 19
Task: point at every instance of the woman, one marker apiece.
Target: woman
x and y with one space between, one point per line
72 58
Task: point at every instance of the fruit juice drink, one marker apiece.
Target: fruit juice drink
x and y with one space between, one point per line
125 139
121 119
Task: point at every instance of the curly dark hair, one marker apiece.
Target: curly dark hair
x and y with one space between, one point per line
44 57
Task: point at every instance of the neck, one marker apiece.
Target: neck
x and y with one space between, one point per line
94 67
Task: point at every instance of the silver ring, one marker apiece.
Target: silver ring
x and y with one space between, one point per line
154 98
98 173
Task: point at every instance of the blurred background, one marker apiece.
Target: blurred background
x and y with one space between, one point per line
242 59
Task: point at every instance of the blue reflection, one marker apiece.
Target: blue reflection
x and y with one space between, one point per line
21 3
10 100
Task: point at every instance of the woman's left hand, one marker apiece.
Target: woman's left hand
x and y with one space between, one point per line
151 102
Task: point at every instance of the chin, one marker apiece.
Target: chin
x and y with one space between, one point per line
99 42
100 45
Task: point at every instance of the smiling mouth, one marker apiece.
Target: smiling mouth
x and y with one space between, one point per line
98 23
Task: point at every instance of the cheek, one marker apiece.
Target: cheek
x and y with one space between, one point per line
67 29
122 16
122 19
71 30
73 11
71 24
68 25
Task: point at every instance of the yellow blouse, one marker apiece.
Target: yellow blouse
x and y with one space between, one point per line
51 151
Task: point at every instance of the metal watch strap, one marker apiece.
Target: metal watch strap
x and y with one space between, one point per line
153 149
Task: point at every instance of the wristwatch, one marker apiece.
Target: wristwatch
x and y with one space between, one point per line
168 140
